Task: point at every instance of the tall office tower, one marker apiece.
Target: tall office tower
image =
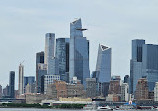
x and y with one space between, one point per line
21 79
62 54
0 91
136 63
28 80
79 53
39 69
150 64
12 84
49 48
104 64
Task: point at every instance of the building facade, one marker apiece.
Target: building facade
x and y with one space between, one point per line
142 91
62 54
12 84
28 80
79 53
156 92
124 92
91 89
150 64
46 80
136 63
21 79
103 65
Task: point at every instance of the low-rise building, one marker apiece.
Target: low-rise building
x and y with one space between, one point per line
124 92
156 92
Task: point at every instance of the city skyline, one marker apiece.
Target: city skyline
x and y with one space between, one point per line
106 30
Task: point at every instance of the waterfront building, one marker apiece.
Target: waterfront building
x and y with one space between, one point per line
91 90
46 80
12 84
49 49
79 53
136 63
28 80
142 91
104 63
21 79
65 90
62 54
112 98
156 92
124 92
150 64
41 70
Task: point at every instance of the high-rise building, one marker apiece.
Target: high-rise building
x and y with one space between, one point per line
150 64
6 91
142 92
28 80
114 87
49 49
62 54
79 53
136 63
12 84
104 63
21 79
41 69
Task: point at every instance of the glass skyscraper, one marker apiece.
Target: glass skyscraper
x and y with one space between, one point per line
150 64
103 66
136 63
28 80
11 84
79 53
62 54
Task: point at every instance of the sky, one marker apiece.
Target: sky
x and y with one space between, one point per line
114 23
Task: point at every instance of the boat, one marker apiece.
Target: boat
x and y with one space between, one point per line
104 108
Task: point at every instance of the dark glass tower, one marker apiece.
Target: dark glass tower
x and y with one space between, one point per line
11 84
62 54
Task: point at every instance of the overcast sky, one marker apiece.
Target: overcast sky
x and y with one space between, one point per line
114 23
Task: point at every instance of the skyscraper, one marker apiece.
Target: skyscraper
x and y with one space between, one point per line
150 64
49 49
79 53
136 63
41 69
62 54
21 79
12 84
103 66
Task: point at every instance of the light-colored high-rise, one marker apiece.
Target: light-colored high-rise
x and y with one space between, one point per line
79 53
103 66
49 48
21 79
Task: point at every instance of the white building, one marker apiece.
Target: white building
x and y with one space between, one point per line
124 92
21 79
48 79
156 92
